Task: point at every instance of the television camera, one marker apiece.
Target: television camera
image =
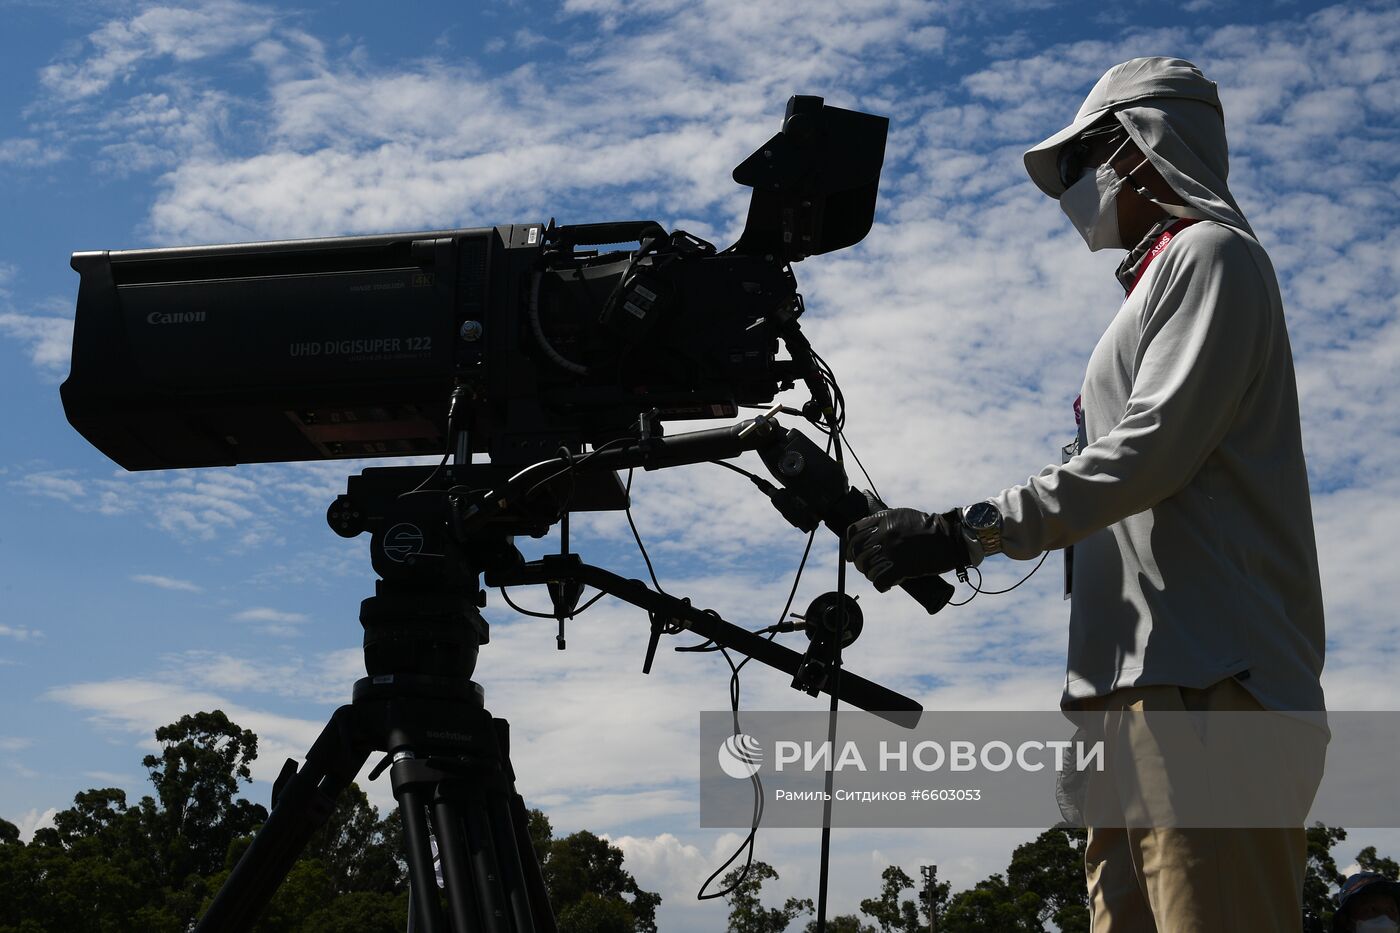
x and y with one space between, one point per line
559 357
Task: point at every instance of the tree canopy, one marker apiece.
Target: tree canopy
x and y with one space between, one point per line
109 865
747 913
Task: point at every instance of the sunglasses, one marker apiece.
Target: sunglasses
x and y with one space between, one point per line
1077 154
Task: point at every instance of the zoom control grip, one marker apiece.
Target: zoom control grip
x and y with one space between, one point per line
931 592
820 483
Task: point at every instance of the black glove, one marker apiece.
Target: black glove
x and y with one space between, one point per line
891 546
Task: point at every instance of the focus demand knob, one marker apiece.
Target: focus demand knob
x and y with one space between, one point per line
344 517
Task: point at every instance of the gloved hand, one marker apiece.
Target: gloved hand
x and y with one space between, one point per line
891 546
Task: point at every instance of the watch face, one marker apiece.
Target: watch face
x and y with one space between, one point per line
981 515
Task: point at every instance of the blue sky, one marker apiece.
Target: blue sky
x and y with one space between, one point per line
959 329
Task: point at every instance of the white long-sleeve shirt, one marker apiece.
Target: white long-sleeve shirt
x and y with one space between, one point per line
1188 504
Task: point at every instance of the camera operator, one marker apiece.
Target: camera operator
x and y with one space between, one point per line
1193 572
1367 903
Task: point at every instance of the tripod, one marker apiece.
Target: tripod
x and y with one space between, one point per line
447 757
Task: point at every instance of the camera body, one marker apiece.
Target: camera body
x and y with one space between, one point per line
532 337
351 347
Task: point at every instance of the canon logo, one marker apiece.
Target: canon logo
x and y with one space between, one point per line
182 317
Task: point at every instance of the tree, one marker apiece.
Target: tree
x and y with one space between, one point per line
747 914
196 776
21 881
360 912
846 923
594 913
887 910
109 867
1369 861
541 833
357 848
104 865
1320 877
588 887
93 813
992 904
1052 868
348 877
307 890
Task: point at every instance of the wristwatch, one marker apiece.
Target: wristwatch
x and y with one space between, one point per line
983 520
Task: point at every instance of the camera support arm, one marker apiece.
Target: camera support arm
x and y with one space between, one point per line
816 489
853 689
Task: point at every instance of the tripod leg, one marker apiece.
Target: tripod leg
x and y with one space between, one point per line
486 870
508 856
492 877
529 897
426 911
534 878
462 899
302 807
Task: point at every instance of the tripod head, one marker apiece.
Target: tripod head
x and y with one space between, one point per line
425 618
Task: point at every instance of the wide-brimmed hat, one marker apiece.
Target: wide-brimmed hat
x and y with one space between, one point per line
1137 80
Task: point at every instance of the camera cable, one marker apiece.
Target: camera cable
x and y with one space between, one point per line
977 587
547 615
746 847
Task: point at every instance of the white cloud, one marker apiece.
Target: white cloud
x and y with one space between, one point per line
273 621
182 34
263 614
674 865
358 149
160 130
20 633
245 507
167 583
325 678
136 707
10 743
135 96
28 823
54 484
527 39
47 339
27 151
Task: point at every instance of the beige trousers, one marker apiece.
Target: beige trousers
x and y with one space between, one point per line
1175 880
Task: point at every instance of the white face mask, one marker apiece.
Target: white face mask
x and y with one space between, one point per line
1376 925
1091 204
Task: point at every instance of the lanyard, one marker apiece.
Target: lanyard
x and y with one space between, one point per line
1158 248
